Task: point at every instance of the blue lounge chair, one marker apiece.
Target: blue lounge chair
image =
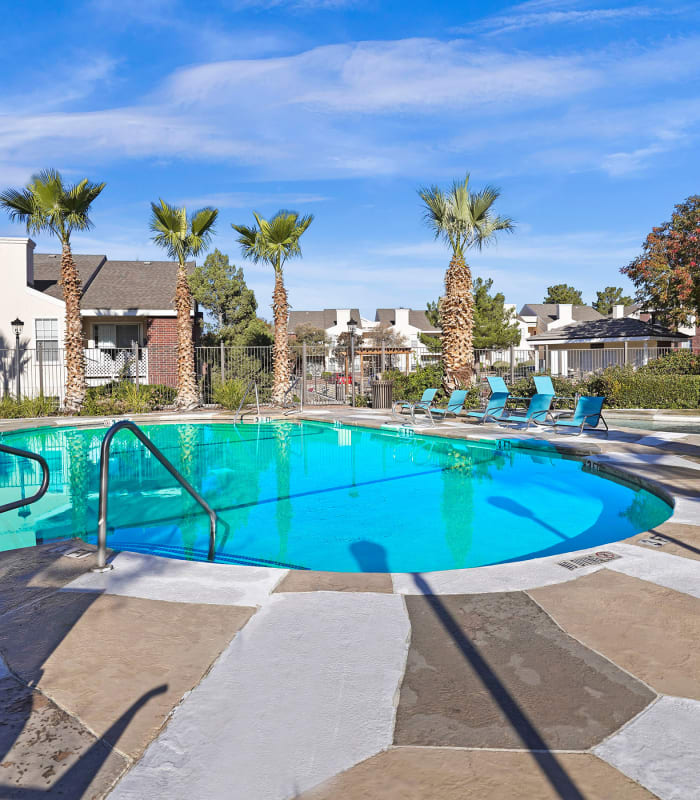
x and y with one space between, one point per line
586 416
496 403
544 385
455 404
423 404
537 411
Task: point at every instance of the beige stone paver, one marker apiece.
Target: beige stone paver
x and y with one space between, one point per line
46 751
678 539
493 670
312 581
415 773
649 630
98 656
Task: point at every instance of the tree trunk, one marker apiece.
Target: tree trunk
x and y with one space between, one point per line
457 314
280 352
187 394
75 355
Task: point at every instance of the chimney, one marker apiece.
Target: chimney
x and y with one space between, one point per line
618 312
17 262
565 313
401 319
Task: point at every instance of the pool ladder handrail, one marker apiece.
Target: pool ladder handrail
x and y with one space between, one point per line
25 501
127 424
252 384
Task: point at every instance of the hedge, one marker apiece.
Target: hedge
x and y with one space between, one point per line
626 389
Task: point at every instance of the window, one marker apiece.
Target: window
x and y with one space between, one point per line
597 345
47 340
116 337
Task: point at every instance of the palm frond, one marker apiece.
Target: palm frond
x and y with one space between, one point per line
275 240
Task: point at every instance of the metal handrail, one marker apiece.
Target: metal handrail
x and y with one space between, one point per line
252 384
25 501
126 424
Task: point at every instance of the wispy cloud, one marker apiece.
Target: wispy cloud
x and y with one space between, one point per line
540 15
253 199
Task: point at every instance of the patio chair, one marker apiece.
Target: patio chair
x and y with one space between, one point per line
586 416
544 385
496 403
455 404
537 409
424 403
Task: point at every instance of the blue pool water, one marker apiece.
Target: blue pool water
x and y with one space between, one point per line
310 495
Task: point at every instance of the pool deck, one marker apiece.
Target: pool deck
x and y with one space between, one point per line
180 680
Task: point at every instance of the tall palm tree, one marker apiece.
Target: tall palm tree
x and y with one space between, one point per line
183 237
47 204
275 241
462 219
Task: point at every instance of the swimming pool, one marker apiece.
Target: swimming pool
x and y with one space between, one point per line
315 496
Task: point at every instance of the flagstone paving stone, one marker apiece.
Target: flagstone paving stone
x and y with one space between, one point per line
649 630
660 749
45 750
416 773
312 581
98 655
494 670
678 539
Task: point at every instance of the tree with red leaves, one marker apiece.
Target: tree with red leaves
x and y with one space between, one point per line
667 273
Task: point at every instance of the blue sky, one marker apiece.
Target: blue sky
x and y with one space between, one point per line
585 114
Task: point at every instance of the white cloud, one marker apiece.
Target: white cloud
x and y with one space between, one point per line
252 199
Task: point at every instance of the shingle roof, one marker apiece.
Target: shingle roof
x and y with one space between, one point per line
548 312
113 284
47 268
608 328
418 319
318 319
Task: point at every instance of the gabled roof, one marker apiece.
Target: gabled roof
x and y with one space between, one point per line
47 269
418 319
608 328
548 312
318 319
116 285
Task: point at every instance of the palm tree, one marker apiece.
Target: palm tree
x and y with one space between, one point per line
47 204
275 241
183 237
462 219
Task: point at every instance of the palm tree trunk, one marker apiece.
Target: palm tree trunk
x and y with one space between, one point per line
187 394
280 352
75 355
457 313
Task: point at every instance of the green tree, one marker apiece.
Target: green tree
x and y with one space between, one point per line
259 333
310 334
183 237
563 293
463 220
494 325
667 273
432 312
220 287
47 204
609 297
274 242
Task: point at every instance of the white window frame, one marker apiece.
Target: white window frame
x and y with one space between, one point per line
50 354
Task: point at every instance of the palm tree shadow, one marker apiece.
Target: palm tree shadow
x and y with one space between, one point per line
371 557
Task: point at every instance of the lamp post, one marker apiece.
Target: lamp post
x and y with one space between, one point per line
352 327
17 326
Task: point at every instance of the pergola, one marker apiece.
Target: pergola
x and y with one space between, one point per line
382 352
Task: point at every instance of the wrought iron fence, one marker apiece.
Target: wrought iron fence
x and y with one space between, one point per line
322 374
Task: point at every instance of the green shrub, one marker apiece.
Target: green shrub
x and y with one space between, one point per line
500 365
624 388
28 407
229 394
361 401
124 397
678 362
410 387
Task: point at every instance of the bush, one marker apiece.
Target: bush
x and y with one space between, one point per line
28 407
229 394
361 401
624 388
410 387
678 362
124 397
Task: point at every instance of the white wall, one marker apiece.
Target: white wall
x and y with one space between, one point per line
19 300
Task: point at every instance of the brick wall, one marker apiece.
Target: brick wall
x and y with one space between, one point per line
161 341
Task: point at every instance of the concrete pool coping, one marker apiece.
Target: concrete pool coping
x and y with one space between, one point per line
524 680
